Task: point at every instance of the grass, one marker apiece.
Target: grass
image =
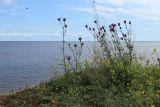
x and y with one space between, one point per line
97 87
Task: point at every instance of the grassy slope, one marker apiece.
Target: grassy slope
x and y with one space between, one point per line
94 86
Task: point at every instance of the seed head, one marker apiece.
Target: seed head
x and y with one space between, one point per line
59 19
64 19
82 44
119 24
80 38
95 21
86 26
65 26
75 45
68 58
69 45
99 33
124 35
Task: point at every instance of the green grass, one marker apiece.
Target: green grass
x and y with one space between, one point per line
94 87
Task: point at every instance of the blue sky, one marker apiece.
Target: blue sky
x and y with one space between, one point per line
39 21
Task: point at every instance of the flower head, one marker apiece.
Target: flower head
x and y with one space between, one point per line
80 38
75 45
64 19
82 44
69 45
68 58
95 21
65 26
59 19
119 24
86 26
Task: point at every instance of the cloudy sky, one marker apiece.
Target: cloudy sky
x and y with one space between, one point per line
36 20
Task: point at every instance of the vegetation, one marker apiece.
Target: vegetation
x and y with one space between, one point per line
112 78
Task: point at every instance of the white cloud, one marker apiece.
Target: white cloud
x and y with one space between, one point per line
6 2
145 9
29 34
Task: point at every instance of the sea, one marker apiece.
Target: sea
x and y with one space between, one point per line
27 63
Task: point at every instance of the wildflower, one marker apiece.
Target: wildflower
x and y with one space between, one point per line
124 21
93 29
110 26
86 26
112 30
64 19
113 25
80 38
130 22
59 19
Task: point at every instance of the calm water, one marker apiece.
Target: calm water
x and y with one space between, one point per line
29 63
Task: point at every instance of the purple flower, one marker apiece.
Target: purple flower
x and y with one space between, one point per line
112 30
113 25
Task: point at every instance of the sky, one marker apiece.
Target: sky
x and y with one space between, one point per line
36 20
